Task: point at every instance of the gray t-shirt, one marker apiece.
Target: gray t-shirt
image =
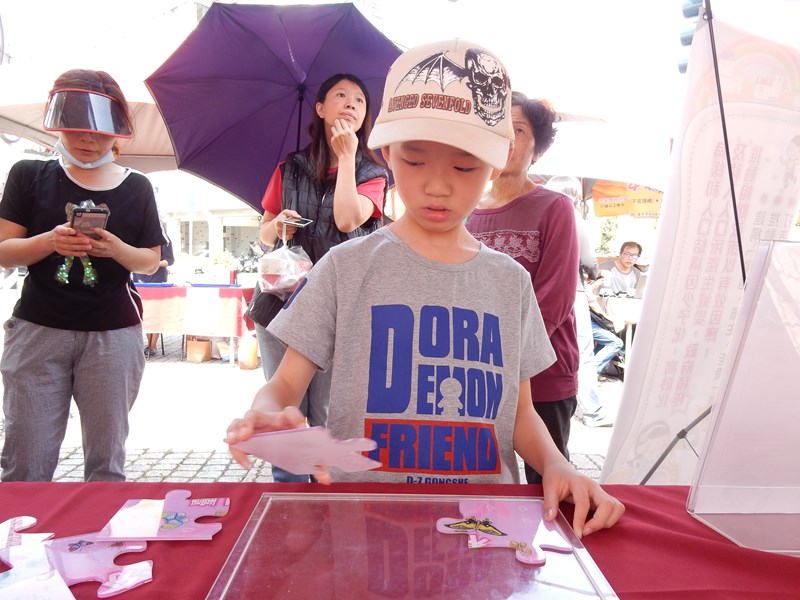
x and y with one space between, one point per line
621 282
427 357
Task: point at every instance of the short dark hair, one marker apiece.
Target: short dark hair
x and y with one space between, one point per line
541 117
628 245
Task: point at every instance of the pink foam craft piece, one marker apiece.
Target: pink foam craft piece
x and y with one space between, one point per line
31 573
515 524
45 568
48 584
10 533
302 451
171 518
86 558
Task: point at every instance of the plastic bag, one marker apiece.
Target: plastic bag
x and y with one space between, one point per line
282 270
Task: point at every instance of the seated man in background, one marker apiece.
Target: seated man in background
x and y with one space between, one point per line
623 274
607 344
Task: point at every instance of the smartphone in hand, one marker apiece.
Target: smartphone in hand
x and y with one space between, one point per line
86 219
301 222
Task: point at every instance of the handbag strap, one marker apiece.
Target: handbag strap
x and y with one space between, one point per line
295 174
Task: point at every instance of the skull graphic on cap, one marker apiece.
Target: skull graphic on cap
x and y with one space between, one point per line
489 83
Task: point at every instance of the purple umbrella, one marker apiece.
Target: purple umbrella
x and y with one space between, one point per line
238 94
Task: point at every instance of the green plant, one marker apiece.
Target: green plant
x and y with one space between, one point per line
608 232
224 258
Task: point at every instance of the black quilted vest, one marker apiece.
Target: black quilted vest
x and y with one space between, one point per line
301 194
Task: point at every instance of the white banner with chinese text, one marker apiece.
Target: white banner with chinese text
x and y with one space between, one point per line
695 281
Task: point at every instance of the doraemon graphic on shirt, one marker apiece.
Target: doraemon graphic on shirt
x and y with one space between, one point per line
426 357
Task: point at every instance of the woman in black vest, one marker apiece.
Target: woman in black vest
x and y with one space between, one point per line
338 183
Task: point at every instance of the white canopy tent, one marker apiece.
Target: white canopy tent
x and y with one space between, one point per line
23 93
595 149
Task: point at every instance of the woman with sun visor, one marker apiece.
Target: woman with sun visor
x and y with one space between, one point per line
81 224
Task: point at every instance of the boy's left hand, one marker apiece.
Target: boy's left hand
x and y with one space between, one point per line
564 483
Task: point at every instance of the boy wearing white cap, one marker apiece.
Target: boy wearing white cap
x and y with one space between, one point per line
428 332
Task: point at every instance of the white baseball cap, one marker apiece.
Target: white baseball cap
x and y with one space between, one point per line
452 92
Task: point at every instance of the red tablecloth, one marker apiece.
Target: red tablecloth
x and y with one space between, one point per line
657 551
191 310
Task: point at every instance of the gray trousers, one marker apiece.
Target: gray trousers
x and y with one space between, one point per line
43 369
315 402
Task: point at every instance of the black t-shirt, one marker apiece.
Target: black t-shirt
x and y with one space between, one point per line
36 196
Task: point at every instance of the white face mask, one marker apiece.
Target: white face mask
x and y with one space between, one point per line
62 150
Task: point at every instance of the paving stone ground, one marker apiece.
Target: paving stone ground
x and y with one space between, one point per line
183 408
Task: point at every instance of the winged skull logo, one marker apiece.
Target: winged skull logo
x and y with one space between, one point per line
438 69
487 80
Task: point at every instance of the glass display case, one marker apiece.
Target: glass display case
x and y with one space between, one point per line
388 546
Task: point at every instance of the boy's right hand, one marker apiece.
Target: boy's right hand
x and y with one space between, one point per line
255 421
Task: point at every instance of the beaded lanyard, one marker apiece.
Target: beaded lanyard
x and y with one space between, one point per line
89 272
